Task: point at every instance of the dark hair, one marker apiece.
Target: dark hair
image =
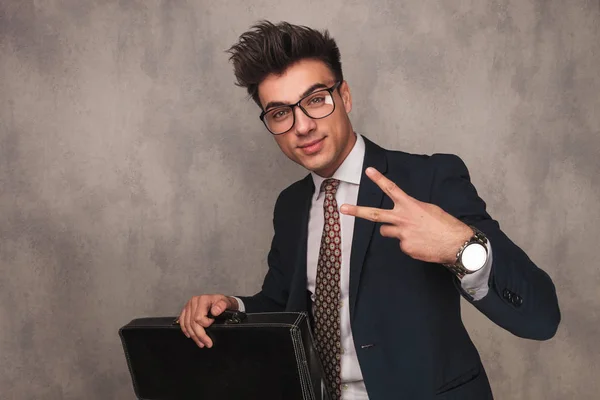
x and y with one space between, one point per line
270 49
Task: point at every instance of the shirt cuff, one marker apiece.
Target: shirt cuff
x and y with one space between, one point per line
476 284
241 306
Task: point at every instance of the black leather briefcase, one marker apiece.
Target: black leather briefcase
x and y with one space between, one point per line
254 356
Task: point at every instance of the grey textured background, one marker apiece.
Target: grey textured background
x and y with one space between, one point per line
134 174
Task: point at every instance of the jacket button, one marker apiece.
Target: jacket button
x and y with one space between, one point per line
507 294
517 301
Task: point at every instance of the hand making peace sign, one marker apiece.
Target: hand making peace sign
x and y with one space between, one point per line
425 231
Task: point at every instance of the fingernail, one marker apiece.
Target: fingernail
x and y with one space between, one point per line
344 208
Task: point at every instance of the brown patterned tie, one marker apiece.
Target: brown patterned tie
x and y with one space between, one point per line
328 292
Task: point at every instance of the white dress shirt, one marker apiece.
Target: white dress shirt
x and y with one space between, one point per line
349 174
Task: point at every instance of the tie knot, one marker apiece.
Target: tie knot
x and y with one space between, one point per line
330 186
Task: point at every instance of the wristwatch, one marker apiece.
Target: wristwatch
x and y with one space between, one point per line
472 255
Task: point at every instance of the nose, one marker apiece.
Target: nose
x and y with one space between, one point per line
304 124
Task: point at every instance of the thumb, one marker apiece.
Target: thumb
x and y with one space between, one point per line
218 307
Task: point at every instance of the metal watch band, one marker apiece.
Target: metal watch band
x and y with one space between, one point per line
457 268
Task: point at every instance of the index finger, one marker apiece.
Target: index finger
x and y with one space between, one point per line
390 188
181 322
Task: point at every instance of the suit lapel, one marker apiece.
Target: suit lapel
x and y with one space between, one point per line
298 298
369 195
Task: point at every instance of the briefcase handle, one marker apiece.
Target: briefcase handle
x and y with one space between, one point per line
227 317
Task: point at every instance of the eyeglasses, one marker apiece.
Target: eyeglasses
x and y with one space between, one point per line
316 105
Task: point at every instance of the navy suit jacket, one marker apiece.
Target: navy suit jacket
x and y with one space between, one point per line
405 314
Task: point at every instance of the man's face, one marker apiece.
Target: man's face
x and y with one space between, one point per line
319 145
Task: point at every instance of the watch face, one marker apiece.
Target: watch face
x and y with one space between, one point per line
474 257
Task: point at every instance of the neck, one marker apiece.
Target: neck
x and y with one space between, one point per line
328 173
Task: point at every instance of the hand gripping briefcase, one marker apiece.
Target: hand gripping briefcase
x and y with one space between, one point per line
254 356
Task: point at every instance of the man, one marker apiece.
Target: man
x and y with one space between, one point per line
378 245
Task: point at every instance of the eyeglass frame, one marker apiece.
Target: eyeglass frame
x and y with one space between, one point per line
297 104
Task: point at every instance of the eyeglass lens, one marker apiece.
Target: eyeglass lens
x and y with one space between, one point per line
317 105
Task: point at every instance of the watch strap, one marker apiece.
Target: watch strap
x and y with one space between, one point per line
458 268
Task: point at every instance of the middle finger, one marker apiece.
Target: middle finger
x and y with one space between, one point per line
370 213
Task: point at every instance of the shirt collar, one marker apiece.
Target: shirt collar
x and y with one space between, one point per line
351 169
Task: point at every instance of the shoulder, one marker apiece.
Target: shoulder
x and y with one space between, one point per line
420 175
293 195
301 186
423 162
416 163
425 168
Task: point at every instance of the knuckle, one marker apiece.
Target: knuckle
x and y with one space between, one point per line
204 305
405 246
427 206
375 215
204 323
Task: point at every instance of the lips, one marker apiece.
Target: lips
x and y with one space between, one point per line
312 147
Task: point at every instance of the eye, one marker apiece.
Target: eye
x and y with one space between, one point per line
280 113
317 99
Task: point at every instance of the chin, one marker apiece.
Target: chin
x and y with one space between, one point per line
319 169
316 164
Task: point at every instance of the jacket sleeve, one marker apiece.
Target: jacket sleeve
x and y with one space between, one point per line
522 298
275 289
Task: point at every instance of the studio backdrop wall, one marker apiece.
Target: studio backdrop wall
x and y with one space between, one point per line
134 174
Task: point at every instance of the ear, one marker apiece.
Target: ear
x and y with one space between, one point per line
346 96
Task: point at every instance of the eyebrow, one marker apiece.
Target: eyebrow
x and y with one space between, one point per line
308 91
